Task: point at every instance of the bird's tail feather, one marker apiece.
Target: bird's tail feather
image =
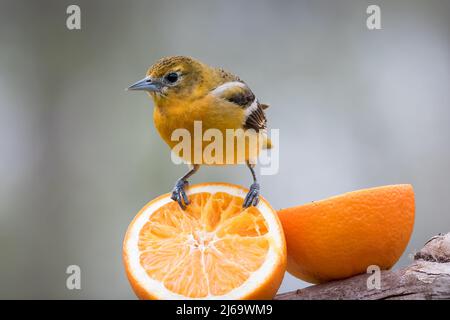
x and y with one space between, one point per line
267 143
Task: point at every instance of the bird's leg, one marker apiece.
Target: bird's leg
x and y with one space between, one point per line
178 192
252 197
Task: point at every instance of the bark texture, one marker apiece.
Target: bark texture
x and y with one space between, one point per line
427 277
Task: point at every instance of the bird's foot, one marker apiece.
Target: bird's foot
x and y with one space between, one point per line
252 197
179 193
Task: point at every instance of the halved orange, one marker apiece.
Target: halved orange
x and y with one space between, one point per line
214 249
343 235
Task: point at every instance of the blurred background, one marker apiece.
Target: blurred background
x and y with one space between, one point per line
80 156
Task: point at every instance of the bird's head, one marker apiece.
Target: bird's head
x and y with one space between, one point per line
175 78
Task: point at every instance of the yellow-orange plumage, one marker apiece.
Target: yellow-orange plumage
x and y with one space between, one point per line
187 93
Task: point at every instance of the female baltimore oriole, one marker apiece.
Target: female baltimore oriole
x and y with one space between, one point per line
184 91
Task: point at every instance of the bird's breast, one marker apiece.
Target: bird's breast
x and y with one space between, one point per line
179 118
212 113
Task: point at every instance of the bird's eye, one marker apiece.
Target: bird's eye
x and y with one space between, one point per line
171 77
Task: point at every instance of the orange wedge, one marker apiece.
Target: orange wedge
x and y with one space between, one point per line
213 250
343 235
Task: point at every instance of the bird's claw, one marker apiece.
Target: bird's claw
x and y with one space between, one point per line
179 194
252 197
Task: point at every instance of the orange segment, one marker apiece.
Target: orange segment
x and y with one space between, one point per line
215 236
341 236
213 249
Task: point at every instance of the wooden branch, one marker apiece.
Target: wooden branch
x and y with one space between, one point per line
428 277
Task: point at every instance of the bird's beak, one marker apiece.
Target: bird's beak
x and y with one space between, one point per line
146 84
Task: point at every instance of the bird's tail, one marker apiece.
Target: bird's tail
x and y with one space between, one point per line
267 143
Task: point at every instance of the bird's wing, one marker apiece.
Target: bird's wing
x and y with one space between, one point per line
238 93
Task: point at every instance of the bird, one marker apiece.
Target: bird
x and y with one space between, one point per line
185 91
